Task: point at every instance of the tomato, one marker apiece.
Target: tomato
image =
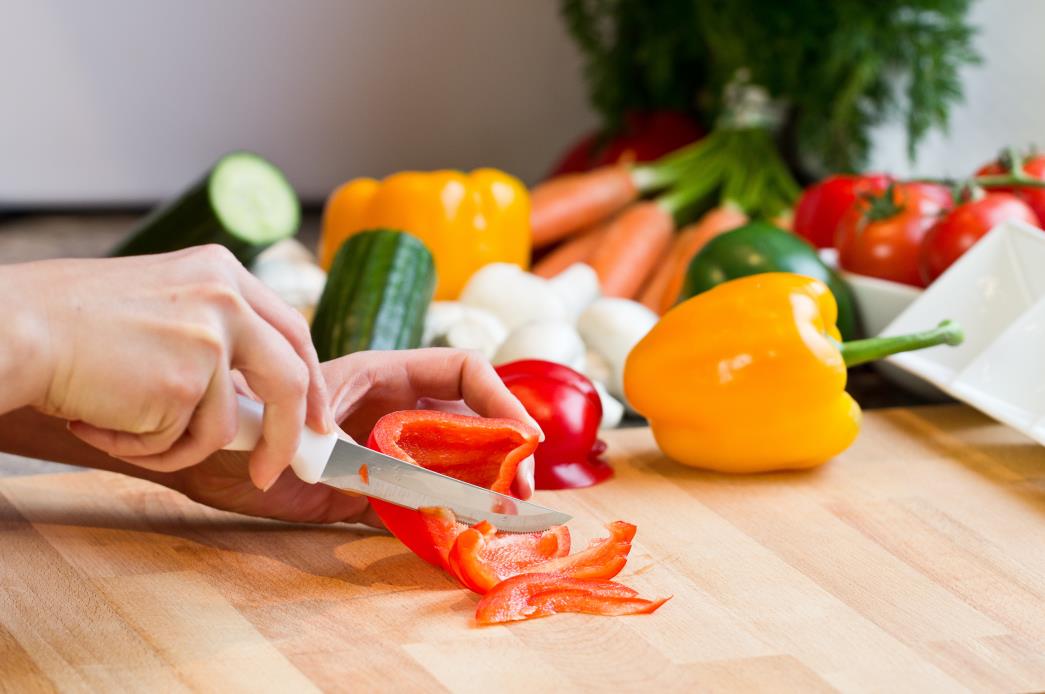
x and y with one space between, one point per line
822 206
881 236
645 137
1034 197
963 226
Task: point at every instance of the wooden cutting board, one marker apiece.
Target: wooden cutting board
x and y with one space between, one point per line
915 561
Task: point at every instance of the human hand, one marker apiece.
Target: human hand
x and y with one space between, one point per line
137 353
363 386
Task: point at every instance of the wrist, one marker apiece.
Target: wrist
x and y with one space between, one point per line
23 341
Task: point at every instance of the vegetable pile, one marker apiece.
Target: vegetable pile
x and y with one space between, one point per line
912 231
521 576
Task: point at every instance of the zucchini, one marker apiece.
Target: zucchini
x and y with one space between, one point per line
243 203
377 293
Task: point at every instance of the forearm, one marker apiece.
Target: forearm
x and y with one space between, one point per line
28 433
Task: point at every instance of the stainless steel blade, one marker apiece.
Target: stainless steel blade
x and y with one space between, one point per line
414 487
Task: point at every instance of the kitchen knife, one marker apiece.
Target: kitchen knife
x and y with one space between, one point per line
337 462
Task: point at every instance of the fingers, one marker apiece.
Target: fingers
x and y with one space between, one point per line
482 390
294 328
275 372
524 483
213 424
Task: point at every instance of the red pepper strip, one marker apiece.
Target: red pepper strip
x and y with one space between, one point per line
480 558
485 452
479 568
529 596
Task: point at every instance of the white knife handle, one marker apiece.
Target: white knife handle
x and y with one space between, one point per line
313 450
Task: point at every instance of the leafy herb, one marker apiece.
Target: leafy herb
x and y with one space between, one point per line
838 67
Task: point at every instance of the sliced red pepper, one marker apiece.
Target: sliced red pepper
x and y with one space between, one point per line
479 564
480 558
484 452
529 596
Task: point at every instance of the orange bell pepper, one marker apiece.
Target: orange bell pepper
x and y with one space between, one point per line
750 376
466 220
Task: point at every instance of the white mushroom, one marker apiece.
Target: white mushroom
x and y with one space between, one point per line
452 324
611 327
289 269
513 295
612 409
577 286
551 340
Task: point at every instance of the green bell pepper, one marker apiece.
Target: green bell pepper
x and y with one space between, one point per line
759 247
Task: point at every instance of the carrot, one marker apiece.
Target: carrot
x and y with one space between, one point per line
566 204
688 243
574 250
632 244
657 283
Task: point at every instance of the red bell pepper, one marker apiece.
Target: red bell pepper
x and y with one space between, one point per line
568 410
529 596
481 451
480 559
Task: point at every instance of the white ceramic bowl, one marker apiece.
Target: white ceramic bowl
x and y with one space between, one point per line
879 302
996 291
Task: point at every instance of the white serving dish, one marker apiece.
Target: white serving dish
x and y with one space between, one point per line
996 291
879 302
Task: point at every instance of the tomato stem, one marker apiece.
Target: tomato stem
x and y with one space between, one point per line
872 349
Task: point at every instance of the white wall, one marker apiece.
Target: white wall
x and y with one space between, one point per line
1004 97
107 101
120 100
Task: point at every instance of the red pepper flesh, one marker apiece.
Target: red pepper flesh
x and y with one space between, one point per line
480 558
481 451
478 562
529 596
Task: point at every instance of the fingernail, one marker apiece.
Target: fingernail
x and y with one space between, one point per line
265 486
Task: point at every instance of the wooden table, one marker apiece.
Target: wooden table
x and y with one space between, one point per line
913 562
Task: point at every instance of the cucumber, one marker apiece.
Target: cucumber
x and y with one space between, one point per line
243 203
377 293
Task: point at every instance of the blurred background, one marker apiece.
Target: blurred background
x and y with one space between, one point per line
115 103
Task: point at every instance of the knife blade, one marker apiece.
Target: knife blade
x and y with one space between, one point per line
338 463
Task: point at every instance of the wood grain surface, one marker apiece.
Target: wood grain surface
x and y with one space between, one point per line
914 562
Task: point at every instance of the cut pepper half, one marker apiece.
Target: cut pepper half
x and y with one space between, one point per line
480 559
529 596
481 451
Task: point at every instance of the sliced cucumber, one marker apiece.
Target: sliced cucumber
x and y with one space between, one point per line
243 202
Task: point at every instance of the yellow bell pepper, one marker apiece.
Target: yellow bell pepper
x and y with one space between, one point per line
467 220
750 375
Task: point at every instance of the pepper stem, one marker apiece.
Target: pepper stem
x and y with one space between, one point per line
862 351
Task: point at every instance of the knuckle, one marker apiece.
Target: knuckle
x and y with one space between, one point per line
222 295
182 388
217 255
297 381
